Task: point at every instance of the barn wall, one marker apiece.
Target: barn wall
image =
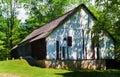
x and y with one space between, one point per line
76 27
24 49
106 47
38 48
14 54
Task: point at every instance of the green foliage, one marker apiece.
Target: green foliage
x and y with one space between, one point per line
43 11
1 45
8 27
109 20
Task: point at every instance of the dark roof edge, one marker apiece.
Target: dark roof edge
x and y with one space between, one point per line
89 11
70 11
114 40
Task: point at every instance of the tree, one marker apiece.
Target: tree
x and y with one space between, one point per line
43 11
7 25
2 38
108 20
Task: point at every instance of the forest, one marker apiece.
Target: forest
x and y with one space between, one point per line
20 17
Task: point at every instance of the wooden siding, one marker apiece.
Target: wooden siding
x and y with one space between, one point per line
77 27
106 47
24 49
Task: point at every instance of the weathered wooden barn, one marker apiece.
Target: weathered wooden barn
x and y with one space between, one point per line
65 42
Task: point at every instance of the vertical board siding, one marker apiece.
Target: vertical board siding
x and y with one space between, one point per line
76 27
106 47
24 49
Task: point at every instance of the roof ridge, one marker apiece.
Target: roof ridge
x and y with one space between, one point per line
54 23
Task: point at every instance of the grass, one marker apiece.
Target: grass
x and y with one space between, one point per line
21 68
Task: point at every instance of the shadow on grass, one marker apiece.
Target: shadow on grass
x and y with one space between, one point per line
91 73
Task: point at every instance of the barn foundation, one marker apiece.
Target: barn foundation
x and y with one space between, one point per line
66 64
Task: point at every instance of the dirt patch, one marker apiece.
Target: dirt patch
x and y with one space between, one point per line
8 75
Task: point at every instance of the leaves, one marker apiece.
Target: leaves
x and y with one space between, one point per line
109 20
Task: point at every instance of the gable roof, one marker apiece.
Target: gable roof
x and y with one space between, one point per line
45 30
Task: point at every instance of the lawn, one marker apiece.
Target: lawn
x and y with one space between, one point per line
20 68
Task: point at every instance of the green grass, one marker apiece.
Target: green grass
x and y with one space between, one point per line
22 68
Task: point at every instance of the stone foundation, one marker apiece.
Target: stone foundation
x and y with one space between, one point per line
83 64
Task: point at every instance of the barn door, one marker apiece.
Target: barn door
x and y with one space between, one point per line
39 49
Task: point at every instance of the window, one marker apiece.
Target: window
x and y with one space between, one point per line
69 41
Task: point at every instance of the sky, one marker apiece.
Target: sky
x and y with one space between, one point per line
22 14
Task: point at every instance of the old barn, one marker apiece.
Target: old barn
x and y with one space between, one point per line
65 42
